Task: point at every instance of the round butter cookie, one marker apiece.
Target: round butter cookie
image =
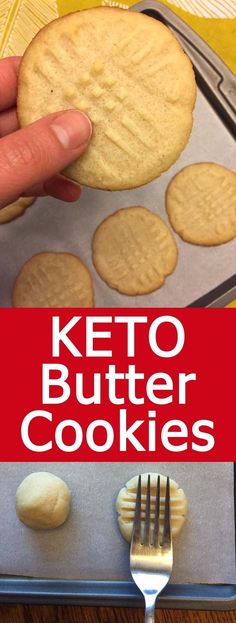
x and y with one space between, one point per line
129 74
201 204
15 209
53 280
134 250
126 500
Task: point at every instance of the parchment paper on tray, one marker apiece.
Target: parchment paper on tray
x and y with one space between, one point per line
89 545
54 226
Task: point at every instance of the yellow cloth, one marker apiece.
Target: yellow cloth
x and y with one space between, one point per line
220 33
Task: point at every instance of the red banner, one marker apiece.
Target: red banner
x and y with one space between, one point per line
117 385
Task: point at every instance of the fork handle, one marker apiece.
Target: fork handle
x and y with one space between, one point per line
150 601
150 615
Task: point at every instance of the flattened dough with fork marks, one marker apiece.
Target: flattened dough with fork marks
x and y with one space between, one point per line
130 75
134 250
126 499
201 204
53 280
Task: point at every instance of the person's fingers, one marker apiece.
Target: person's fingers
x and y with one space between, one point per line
37 152
63 189
9 68
8 122
59 187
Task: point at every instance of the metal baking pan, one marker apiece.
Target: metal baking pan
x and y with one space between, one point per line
217 83
110 593
220 296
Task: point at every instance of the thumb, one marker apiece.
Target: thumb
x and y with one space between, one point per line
37 152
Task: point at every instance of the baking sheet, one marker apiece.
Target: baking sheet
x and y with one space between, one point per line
53 225
222 296
89 545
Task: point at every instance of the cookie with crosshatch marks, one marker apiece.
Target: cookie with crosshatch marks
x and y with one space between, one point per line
134 251
126 499
53 280
201 203
129 74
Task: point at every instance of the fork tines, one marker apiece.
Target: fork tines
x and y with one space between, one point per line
149 536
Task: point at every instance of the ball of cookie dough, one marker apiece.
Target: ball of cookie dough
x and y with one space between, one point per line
43 501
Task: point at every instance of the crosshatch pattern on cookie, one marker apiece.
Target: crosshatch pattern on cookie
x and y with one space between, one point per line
53 280
201 203
130 75
134 250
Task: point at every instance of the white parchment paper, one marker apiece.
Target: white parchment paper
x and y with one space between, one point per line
90 546
51 225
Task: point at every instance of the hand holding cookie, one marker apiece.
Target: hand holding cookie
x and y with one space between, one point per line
31 158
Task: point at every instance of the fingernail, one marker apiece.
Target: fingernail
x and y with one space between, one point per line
72 129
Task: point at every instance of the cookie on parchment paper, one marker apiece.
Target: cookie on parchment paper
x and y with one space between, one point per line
52 279
134 250
129 74
15 209
201 204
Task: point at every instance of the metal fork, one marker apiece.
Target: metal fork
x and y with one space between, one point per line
151 557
